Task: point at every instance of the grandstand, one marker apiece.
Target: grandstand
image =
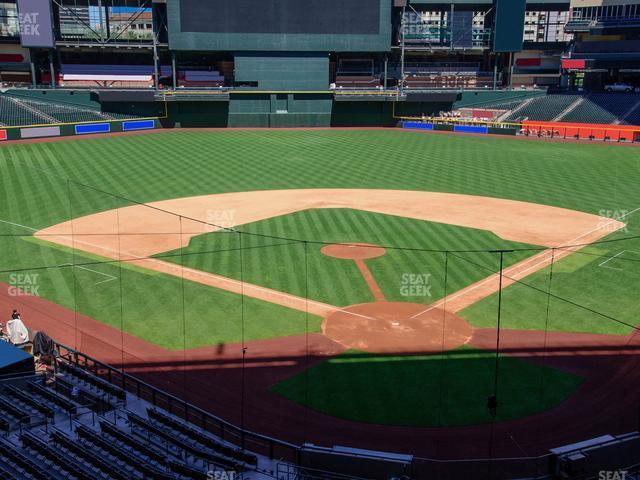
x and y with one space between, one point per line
67 423
16 110
591 108
544 108
604 108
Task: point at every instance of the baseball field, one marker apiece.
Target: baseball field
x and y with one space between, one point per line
361 287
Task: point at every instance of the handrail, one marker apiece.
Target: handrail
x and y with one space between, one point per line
74 355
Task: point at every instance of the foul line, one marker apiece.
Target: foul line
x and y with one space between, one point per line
110 277
604 264
547 253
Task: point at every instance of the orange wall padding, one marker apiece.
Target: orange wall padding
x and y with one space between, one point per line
582 130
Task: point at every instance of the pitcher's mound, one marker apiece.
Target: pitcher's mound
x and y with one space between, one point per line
360 251
397 327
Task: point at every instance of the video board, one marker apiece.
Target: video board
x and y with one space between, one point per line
280 25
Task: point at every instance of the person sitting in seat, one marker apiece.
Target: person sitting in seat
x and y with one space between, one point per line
16 330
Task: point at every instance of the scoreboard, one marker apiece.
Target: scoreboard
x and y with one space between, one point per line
280 25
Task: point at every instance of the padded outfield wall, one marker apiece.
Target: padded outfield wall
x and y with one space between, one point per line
276 109
238 109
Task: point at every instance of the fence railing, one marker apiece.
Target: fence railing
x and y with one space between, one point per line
245 439
282 451
527 128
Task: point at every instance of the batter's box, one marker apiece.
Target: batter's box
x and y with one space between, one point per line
624 261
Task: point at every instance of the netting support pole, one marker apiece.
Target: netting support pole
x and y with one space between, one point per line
492 402
244 348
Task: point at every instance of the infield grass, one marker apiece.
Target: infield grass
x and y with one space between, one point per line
302 269
430 390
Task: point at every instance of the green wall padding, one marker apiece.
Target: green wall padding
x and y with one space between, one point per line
282 71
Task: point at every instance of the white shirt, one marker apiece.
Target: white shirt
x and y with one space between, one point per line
17 332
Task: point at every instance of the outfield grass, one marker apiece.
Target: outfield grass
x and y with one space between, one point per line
154 306
605 279
305 271
432 390
584 177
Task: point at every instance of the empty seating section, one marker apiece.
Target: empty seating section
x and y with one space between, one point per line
65 114
596 108
606 108
203 439
123 76
501 105
19 111
22 397
543 108
200 78
133 444
118 454
354 73
54 398
73 425
448 80
496 107
357 81
95 401
99 463
633 117
171 439
12 113
439 75
87 378
21 464
56 460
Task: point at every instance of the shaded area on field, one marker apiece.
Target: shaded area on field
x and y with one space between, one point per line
434 390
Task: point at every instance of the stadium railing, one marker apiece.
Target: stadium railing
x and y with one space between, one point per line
255 442
537 129
282 451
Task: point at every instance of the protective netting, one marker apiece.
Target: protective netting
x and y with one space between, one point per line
484 354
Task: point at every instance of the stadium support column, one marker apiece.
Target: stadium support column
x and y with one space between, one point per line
174 75
511 56
386 67
155 60
402 34
52 70
451 13
33 67
101 20
495 71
